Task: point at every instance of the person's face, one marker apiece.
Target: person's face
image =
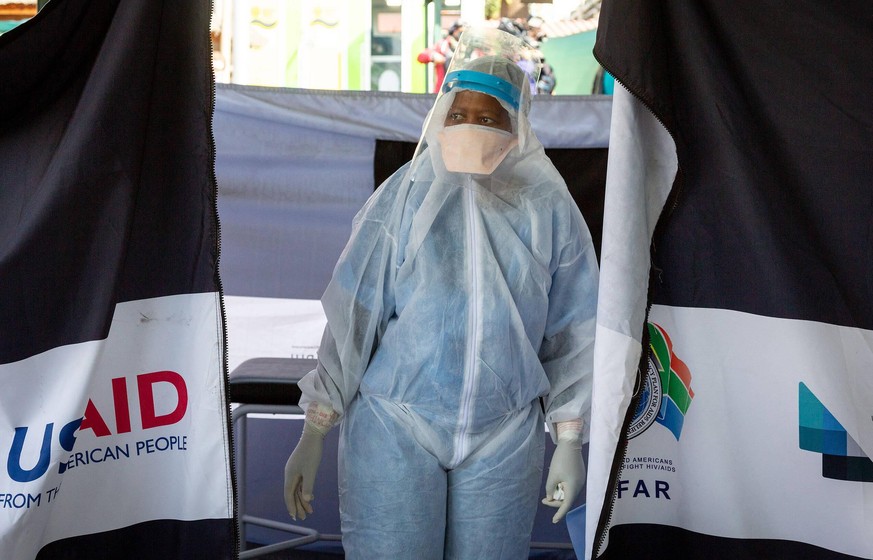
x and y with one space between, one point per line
473 107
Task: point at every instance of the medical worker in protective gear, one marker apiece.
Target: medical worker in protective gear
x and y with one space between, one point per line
461 308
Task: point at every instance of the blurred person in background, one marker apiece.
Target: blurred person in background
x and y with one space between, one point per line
440 54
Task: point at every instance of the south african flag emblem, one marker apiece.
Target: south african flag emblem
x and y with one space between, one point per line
666 392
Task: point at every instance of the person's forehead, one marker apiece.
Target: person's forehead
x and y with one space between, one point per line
476 100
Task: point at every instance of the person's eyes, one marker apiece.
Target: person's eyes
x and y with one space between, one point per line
487 121
456 116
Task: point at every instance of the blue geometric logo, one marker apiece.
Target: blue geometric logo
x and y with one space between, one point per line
821 432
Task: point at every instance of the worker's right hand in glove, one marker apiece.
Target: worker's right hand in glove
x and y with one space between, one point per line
303 463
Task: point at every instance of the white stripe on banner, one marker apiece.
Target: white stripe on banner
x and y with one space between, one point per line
152 443
742 454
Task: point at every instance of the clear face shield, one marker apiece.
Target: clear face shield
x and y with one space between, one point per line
480 114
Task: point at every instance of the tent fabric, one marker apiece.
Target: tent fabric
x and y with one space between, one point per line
294 166
732 368
114 430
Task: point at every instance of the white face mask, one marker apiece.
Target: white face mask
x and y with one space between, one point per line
472 148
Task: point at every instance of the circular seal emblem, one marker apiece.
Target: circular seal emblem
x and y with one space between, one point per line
650 402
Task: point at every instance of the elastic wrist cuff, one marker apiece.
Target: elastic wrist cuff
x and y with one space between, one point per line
570 430
320 417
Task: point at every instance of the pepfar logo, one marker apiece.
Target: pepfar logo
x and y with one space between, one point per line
95 420
820 432
666 389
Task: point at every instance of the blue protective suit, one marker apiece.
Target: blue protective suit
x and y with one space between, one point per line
458 302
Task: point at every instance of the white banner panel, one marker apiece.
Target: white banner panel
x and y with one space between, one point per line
109 433
753 427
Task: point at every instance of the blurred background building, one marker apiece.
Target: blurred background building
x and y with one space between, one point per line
373 44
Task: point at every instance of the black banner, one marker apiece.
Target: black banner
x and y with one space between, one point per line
107 191
770 111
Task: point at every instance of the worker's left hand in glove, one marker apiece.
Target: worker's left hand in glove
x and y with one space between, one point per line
567 469
302 465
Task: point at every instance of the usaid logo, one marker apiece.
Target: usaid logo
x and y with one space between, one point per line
119 413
